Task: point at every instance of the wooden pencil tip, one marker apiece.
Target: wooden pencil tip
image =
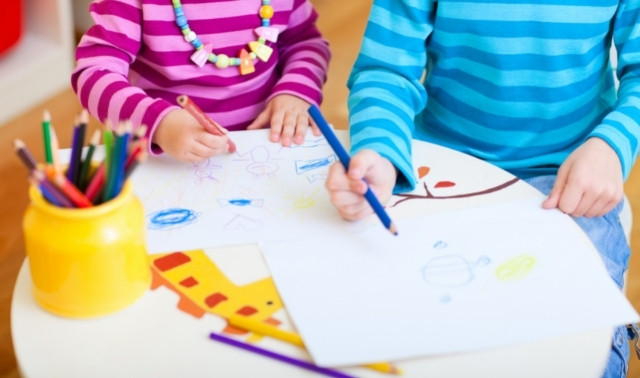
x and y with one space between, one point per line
393 229
84 116
46 116
141 131
95 138
18 144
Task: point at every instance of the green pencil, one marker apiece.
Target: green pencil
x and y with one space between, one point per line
46 133
86 163
107 138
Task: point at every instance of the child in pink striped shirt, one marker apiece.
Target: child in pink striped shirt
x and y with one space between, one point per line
248 64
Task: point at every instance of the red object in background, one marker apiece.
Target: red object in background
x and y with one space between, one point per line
10 24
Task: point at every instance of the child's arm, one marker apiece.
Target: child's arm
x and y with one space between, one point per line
589 182
180 135
103 59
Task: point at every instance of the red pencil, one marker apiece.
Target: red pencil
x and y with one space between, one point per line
75 195
210 125
49 191
95 185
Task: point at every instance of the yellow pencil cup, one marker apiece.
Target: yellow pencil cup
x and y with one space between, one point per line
87 262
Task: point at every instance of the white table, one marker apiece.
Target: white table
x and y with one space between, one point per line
152 338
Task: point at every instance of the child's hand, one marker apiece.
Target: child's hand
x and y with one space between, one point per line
589 182
181 136
346 190
289 119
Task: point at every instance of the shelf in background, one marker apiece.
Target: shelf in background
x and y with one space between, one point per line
40 65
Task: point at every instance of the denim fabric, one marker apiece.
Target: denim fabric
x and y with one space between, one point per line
607 235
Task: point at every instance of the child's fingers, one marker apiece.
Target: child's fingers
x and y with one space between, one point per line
302 124
289 122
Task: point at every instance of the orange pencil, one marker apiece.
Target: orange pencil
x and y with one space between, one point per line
75 195
210 125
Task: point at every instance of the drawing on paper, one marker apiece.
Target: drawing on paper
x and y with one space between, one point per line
240 202
243 223
171 218
203 288
451 270
304 166
261 164
515 268
204 170
424 171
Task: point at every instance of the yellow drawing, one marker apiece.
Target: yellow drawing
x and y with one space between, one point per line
515 268
202 288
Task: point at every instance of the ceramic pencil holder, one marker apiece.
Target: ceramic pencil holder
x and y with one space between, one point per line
87 262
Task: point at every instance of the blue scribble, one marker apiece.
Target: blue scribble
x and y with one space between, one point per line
240 202
303 166
171 218
440 244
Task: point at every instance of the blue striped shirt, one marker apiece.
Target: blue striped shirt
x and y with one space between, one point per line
519 84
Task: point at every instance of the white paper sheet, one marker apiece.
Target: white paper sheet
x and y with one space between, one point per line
464 280
265 191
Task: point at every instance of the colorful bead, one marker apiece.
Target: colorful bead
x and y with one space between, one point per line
263 52
245 62
191 36
268 33
222 61
266 11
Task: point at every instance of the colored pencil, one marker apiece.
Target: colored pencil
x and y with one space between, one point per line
71 191
86 163
55 150
344 158
137 157
49 191
277 356
77 143
122 147
140 132
107 139
112 172
25 155
261 328
96 185
210 125
46 133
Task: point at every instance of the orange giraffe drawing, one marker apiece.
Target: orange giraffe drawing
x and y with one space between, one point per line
203 288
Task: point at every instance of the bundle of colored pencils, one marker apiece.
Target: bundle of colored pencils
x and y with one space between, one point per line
85 182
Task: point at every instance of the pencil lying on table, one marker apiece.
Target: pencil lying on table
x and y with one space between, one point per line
333 141
210 125
261 328
279 357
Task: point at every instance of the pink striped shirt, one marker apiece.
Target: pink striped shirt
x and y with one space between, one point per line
134 62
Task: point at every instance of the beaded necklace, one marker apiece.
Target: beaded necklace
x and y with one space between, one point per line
245 60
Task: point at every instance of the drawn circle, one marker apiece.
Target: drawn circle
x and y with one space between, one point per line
169 218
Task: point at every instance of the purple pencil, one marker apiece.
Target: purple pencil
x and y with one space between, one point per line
267 353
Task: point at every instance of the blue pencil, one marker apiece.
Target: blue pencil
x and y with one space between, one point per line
279 357
345 159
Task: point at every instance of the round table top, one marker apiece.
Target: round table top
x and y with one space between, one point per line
154 338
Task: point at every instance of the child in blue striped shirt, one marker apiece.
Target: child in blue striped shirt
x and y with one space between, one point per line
526 85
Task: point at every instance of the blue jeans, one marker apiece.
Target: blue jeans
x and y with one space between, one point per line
607 235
